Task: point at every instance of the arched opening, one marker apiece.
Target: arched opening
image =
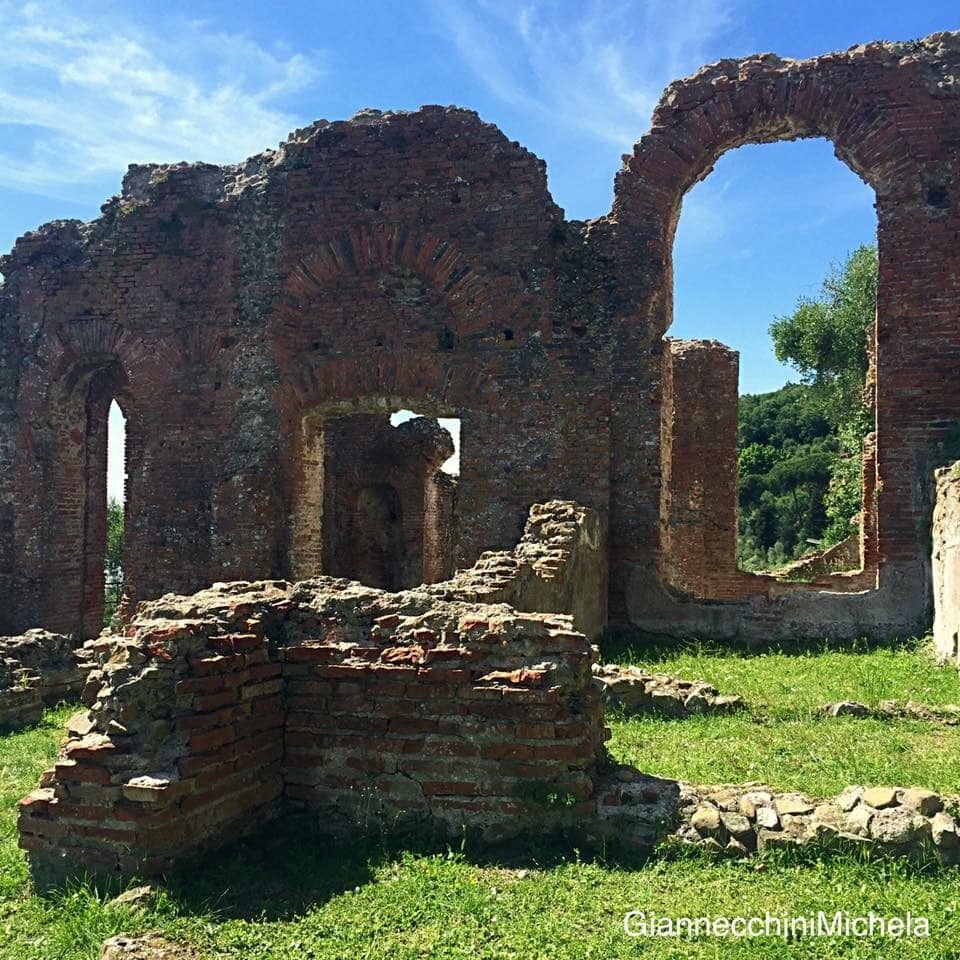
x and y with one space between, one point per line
116 511
761 462
86 444
375 494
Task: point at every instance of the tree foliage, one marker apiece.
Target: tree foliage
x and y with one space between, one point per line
825 338
801 447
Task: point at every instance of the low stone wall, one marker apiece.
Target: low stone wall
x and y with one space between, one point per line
213 712
37 669
896 821
637 692
428 709
840 558
946 566
947 714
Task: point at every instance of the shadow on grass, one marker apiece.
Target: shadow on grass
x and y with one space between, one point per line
293 865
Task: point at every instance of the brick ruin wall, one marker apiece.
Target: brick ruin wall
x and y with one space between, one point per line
215 711
417 260
423 711
946 566
384 516
700 491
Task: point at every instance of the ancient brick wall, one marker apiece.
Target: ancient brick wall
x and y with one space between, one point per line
558 566
381 512
891 112
417 260
215 711
701 480
404 259
38 669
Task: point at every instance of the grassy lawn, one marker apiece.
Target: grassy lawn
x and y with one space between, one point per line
290 894
784 740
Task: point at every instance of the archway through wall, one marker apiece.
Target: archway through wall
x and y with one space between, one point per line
116 511
764 469
375 494
86 433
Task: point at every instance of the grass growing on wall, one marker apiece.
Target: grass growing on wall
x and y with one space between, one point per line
290 894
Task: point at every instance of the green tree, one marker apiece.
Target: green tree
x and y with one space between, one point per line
786 452
113 562
825 339
801 446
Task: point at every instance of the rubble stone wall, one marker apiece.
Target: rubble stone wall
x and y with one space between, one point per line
946 567
440 705
559 566
895 821
215 711
37 669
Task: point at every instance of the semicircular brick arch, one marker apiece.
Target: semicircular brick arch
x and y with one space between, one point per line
730 104
889 110
403 375
373 250
81 343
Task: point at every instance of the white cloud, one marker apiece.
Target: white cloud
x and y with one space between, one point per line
80 99
600 70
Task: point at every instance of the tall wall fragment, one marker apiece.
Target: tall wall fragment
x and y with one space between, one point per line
946 567
700 490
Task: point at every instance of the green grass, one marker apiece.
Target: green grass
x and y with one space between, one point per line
289 893
784 740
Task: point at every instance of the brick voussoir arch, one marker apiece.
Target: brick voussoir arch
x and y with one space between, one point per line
751 101
97 344
372 250
843 98
443 384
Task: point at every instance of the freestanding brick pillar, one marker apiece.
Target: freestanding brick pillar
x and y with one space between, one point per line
700 493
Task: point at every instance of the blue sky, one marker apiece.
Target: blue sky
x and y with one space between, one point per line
87 87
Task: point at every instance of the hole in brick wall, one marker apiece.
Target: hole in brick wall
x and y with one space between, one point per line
762 455
116 510
450 424
938 197
438 529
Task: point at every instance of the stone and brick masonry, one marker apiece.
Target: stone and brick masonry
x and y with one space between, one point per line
38 669
946 566
418 260
215 711
430 709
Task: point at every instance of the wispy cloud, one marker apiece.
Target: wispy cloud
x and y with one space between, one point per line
596 67
80 100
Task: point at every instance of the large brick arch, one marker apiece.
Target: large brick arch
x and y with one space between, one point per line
732 104
874 104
